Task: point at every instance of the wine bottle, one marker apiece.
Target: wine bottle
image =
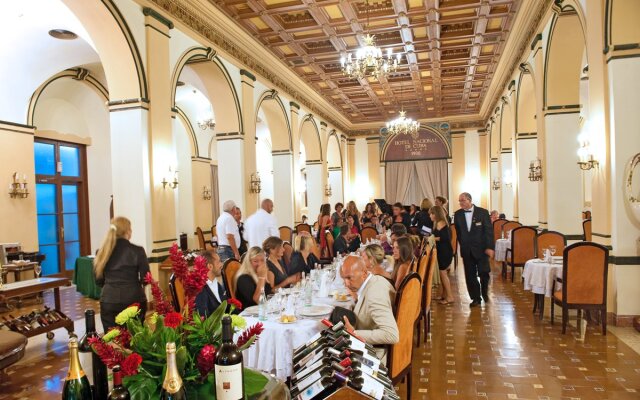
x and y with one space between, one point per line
98 373
229 369
369 386
322 388
76 385
327 352
172 387
118 392
371 362
303 381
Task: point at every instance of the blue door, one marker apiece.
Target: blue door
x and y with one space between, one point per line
61 204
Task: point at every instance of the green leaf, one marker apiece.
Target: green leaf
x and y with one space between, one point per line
254 382
248 343
181 359
141 387
215 318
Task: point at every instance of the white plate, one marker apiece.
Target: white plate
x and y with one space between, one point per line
316 311
252 311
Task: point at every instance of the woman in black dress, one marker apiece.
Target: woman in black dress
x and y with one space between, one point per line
277 271
422 218
442 234
251 278
302 259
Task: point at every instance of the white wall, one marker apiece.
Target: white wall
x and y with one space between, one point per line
362 189
506 170
184 192
527 190
472 176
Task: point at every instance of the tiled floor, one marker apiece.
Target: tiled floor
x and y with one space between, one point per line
498 351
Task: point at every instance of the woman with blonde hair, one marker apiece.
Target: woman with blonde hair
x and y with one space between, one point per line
422 220
120 269
442 234
376 261
251 277
302 259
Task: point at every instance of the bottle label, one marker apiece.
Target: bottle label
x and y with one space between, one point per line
229 382
372 387
311 391
358 345
305 371
310 341
309 380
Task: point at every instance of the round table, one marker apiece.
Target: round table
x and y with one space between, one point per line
501 247
539 277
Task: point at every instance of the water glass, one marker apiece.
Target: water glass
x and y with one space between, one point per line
38 270
552 249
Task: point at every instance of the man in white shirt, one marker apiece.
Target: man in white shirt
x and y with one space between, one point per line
228 233
261 225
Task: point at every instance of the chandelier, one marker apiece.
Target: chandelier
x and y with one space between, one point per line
404 125
368 59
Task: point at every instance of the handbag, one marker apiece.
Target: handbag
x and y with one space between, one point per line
338 314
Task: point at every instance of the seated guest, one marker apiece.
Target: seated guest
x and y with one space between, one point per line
413 213
342 244
368 214
352 210
400 216
237 215
336 228
277 275
424 223
397 230
353 228
338 215
305 220
494 216
214 292
375 322
302 259
502 216
402 258
377 262
375 223
251 278
415 242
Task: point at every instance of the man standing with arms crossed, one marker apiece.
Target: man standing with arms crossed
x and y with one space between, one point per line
475 235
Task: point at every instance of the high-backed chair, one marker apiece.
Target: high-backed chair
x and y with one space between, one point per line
288 251
454 245
497 228
545 239
427 287
509 226
523 244
584 282
177 292
303 228
368 233
201 242
286 233
586 214
12 348
586 229
407 310
229 270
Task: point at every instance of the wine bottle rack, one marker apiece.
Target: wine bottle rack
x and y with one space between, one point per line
347 393
18 324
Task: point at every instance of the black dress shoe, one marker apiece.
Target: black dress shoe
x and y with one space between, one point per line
474 303
486 299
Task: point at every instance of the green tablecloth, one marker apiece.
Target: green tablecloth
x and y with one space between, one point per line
84 278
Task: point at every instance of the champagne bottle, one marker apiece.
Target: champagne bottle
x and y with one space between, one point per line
98 375
172 387
76 385
229 369
118 392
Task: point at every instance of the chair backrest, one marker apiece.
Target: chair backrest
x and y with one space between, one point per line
368 233
315 225
407 311
229 269
523 244
316 249
547 238
584 276
497 228
214 232
427 286
201 241
586 228
303 228
509 226
586 214
286 233
177 292
423 263
329 237
454 238
288 251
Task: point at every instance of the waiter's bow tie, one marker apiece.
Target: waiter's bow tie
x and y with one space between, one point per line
468 211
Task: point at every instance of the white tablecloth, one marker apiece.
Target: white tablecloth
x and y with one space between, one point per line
539 275
501 247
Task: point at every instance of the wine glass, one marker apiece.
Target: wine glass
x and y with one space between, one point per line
552 249
37 270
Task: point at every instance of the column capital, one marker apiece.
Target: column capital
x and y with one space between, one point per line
150 12
248 75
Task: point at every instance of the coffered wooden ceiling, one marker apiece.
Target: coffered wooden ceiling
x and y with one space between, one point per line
450 50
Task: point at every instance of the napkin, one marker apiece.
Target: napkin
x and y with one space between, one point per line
324 284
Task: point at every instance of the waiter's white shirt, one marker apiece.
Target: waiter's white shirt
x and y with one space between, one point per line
260 226
225 225
468 216
213 285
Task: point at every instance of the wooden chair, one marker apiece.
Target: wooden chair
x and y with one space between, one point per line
545 239
368 233
523 244
584 282
509 226
177 292
201 242
586 215
454 245
229 270
288 251
315 226
286 233
586 228
497 228
427 287
407 311
303 228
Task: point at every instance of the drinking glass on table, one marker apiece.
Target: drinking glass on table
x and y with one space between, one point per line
38 270
552 249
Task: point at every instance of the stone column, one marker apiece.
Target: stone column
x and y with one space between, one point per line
325 163
373 154
351 165
233 182
250 200
527 193
283 183
298 200
335 180
483 152
315 191
457 166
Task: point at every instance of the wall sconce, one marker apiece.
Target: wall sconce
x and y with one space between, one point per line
535 170
174 183
254 184
495 184
327 190
508 179
208 123
206 193
18 188
586 159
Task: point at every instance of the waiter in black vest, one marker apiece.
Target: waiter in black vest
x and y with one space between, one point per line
475 235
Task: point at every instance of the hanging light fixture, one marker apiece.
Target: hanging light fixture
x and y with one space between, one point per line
368 59
402 124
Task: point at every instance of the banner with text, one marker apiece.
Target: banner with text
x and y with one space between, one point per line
432 142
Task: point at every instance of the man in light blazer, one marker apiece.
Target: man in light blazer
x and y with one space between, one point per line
375 322
475 235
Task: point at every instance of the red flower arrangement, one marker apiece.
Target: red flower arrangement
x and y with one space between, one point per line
251 333
206 359
236 303
129 365
172 319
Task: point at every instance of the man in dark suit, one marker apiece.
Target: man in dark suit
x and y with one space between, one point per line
214 292
475 235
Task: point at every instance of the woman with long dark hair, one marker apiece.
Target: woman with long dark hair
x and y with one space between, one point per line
442 234
324 224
